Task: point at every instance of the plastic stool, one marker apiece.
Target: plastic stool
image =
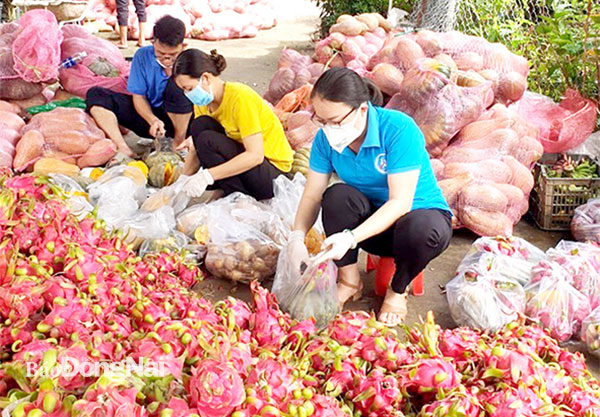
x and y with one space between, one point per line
384 271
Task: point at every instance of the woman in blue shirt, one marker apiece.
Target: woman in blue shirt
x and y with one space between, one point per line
389 203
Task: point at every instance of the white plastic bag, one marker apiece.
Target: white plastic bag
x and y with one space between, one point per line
192 218
482 297
514 257
174 242
590 332
77 199
142 226
172 195
312 294
585 225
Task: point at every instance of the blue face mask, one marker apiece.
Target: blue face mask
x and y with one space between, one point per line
199 96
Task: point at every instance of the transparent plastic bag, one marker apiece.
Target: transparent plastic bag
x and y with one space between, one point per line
590 332
143 225
192 218
245 239
554 303
172 195
483 298
117 194
77 198
174 242
312 294
585 225
514 257
581 263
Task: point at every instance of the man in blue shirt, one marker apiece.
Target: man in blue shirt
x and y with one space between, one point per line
156 106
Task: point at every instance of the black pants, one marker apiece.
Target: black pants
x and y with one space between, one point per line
413 241
123 11
174 101
213 148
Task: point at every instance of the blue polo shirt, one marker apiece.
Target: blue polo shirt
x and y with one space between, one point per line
146 77
393 144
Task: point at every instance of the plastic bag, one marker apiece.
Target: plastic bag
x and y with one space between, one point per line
245 239
312 294
174 242
514 257
581 263
172 195
75 102
104 65
36 49
143 225
192 218
590 147
117 194
482 297
562 126
585 225
77 198
554 303
590 332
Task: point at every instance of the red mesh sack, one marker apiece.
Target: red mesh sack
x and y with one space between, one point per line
104 65
36 49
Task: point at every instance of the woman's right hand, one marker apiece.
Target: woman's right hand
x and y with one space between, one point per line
157 128
297 251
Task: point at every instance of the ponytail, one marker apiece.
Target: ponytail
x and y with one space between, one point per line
342 85
194 63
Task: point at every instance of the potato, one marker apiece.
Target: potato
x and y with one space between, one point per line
236 275
259 265
218 263
244 250
231 263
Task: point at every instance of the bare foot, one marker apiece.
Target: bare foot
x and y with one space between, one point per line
122 45
394 308
142 44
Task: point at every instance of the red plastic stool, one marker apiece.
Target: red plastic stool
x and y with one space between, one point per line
384 271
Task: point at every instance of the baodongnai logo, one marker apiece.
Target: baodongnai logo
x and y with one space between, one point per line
381 163
71 367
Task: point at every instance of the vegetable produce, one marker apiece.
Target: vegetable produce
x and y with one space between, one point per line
566 167
47 166
301 158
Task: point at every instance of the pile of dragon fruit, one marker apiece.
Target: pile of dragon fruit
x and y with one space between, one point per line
72 294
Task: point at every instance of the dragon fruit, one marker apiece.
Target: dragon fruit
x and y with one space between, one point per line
377 395
326 406
512 364
272 379
433 374
346 328
460 344
215 388
459 403
109 402
385 352
151 350
584 403
521 402
269 326
342 379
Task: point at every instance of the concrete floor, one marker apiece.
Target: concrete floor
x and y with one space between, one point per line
253 61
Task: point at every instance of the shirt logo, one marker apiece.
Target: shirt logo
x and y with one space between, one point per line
381 163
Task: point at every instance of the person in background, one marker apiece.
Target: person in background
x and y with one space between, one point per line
389 202
123 17
155 106
238 142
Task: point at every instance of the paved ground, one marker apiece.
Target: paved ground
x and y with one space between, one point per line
254 61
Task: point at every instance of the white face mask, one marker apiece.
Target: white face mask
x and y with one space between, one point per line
339 137
162 65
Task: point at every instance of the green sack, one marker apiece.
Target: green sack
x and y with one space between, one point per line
75 102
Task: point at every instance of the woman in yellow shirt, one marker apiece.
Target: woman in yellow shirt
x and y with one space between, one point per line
239 143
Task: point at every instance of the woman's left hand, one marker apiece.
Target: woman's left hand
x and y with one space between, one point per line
184 145
337 246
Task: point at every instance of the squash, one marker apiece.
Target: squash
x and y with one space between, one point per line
103 67
164 173
46 166
156 158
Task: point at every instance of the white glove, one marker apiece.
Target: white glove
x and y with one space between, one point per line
197 183
337 246
296 250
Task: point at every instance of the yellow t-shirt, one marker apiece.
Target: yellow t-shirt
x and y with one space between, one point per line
243 113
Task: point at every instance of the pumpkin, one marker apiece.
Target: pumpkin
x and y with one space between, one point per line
156 158
164 173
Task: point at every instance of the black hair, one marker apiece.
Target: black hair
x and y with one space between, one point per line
194 62
343 85
169 30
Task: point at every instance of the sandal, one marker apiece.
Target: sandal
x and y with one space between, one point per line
358 290
399 307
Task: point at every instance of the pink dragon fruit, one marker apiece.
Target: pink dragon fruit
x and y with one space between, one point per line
109 402
178 407
572 363
326 406
555 383
377 395
76 356
459 344
272 379
521 402
346 328
514 365
459 403
429 375
386 352
215 388
343 379
584 403
151 350
301 332
269 326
